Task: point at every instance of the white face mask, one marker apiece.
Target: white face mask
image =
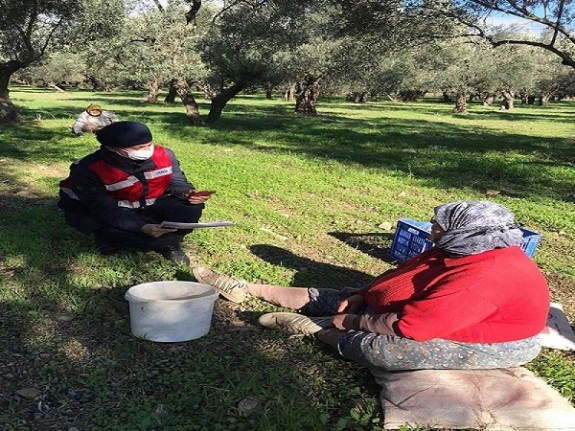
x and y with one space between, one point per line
140 154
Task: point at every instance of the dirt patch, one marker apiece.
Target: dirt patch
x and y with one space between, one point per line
562 288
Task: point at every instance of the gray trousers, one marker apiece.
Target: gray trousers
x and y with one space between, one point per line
394 353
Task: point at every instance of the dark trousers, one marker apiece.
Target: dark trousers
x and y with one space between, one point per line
164 209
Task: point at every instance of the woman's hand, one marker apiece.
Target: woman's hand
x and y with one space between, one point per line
354 304
154 230
343 322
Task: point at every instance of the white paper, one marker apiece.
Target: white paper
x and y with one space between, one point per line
179 225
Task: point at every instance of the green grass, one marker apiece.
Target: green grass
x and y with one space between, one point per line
308 196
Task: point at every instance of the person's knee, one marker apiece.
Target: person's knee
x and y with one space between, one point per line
185 212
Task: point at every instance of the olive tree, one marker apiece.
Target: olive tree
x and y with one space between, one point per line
556 16
247 47
28 30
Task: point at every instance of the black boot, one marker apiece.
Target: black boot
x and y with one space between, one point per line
106 249
175 254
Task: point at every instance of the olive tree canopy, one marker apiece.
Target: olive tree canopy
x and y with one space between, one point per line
30 29
555 18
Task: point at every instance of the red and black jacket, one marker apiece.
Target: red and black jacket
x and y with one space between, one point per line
105 189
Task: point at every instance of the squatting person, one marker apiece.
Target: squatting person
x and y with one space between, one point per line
124 190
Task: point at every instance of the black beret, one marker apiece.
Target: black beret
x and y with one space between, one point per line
123 134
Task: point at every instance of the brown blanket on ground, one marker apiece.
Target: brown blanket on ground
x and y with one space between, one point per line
503 399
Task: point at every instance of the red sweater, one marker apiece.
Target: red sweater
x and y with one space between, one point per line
495 296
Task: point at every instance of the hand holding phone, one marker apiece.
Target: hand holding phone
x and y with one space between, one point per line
202 192
198 196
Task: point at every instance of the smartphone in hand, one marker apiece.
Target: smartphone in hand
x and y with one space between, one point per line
202 192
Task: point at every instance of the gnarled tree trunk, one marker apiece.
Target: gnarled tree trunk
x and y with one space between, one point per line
97 85
172 93
544 98
153 91
411 95
489 100
460 102
192 111
508 100
357 97
8 111
289 94
307 94
219 102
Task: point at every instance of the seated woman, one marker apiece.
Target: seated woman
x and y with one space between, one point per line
474 301
94 118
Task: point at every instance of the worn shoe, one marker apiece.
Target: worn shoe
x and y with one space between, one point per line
232 288
107 249
295 323
175 254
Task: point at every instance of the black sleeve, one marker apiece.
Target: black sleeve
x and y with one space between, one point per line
179 184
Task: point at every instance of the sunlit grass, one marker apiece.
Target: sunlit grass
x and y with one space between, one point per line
309 196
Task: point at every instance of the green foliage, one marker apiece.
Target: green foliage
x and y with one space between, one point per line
99 21
553 20
28 26
59 67
248 43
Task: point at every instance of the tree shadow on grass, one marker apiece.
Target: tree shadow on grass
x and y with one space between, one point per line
309 272
438 154
71 342
376 245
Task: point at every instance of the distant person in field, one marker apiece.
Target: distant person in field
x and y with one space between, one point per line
93 119
122 192
474 301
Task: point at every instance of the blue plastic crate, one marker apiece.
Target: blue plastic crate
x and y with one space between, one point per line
411 239
530 242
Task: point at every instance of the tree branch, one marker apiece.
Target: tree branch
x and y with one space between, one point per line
159 5
567 59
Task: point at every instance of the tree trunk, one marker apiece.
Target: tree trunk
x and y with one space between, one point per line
192 110
307 94
357 97
489 100
508 100
269 94
56 87
289 94
97 85
172 93
219 102
8 111
460 102
153 91
410 95
544 99
446 97
530 100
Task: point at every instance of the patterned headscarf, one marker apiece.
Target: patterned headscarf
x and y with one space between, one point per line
472 227
93 107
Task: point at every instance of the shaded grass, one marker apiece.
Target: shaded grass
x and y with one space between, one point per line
308 195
